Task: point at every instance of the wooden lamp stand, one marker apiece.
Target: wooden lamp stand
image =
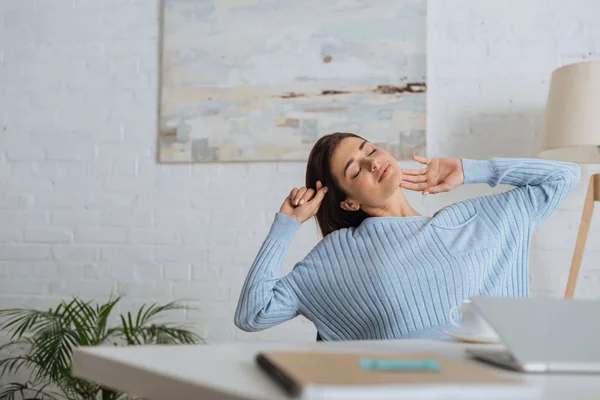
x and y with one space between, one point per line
593 195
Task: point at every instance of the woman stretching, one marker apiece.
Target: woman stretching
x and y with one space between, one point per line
382 271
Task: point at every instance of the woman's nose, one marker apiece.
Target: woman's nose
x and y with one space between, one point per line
374 165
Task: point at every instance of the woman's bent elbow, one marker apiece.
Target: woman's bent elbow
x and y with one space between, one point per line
244 323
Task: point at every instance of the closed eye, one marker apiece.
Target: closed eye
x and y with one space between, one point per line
359 168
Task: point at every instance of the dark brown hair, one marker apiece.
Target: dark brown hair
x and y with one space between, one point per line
330 216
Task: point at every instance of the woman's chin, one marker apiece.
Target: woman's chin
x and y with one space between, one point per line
393 181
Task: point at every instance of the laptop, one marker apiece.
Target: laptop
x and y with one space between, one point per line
542 334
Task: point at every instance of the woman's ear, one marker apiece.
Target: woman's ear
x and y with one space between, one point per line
350 205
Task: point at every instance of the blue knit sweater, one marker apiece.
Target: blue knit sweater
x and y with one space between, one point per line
397 277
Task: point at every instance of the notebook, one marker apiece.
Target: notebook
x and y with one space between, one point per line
344 376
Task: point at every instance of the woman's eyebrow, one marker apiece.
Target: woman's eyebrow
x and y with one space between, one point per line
362 146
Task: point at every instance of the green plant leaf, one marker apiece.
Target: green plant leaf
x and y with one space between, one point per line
155 309
163 334
116 332
76 388
41 390
52 349
83 318
19 321
103 313
12 365
8 391
126 331
138 320
19 344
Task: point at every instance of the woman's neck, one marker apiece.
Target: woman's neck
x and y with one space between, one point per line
396 206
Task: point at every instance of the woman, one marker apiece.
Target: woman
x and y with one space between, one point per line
382 270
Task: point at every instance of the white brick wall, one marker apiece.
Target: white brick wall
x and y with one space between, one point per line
85 209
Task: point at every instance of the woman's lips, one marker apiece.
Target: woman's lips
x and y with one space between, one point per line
384 173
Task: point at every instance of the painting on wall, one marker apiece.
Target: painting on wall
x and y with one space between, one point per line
262 80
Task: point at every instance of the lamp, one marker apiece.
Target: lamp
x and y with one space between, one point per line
572 133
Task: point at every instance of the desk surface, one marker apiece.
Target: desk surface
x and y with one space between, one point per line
228 371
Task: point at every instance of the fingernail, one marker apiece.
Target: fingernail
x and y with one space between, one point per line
325 190
424 193
301 201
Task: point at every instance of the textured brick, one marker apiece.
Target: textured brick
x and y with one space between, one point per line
60 201
28 185
70 270
75 217
9 201
101 235
23 286
200 290
17 269
153 236
76 252
86 184
85 289
181 219
179 201
122 271
13 219
94 271
48 235
24 252
10 235
69 152
45 269
126 184
126 216
205 272
149 271
180 254
149 291
25 151
126 253
177 271
124 166
110 200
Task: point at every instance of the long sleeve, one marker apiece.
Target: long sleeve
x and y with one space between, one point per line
265 300
540 184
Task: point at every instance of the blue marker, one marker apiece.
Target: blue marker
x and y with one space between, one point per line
389 364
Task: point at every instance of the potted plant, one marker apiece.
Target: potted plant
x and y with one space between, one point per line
42 342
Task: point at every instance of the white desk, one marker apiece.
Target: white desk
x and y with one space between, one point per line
229 371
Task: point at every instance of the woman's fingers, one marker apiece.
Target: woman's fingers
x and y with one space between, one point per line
316 201
444 187
421 171
308 195
292 195
303 195
299 195
414 178
422 160
413 186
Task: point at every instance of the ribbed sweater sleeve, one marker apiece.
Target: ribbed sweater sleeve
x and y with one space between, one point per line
265 300
541 184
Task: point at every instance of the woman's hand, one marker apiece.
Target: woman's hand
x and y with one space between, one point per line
439 175
302 204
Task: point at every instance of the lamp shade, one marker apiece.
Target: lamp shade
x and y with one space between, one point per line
572 121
